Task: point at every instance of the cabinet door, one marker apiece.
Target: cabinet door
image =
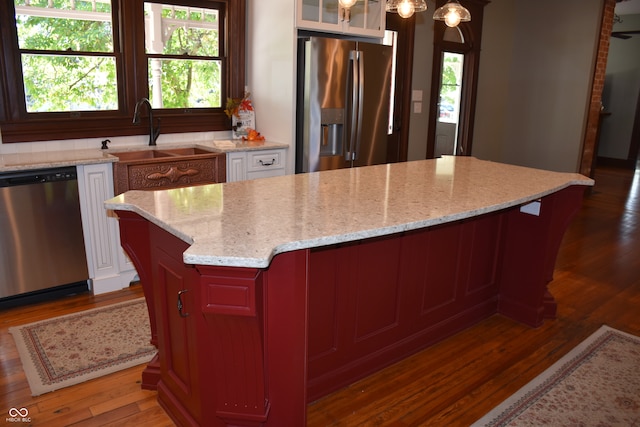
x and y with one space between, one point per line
366 18
176 303
236 167
321 15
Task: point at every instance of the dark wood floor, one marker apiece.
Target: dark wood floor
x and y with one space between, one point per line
597 281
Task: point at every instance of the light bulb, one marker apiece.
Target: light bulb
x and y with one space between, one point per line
452 18
405 8
452 13
347 3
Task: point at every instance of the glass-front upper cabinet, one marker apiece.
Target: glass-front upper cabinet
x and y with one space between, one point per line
365 18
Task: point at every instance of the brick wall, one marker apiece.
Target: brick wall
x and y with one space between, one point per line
589 151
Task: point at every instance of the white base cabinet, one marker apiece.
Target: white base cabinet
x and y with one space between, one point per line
244 165
109 267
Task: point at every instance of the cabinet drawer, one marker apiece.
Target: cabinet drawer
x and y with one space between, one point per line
264 160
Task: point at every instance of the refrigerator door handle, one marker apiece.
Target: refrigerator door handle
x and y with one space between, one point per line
359 106
353 111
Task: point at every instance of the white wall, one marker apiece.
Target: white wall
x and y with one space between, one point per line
496 58
621 91
271 70
536 69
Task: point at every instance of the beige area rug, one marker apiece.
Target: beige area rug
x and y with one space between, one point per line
74 348
595 384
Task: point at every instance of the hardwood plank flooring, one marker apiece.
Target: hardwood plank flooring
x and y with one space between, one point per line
455 382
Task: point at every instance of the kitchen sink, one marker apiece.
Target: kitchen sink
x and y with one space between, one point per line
186 151
164 168
161 155
128 156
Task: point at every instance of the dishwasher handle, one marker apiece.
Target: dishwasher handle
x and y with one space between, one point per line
13 179
22 180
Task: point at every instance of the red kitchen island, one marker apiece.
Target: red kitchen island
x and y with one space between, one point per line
265 295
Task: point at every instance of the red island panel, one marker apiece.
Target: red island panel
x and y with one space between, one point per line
251 347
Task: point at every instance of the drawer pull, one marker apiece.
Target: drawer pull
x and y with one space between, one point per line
180 305
271 163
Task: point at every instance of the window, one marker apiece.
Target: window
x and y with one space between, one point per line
67 57
76 68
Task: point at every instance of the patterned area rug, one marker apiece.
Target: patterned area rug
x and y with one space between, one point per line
596 384
71 349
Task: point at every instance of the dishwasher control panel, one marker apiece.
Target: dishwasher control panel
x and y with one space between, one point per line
12 179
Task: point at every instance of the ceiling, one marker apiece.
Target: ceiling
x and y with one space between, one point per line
628 7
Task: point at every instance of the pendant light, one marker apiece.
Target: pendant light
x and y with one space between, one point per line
406 8
452 13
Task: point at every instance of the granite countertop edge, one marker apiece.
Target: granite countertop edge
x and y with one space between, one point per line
260 254
12 162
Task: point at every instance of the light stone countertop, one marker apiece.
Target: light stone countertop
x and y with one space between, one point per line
245 224
52 159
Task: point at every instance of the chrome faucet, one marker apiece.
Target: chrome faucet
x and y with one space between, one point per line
154 133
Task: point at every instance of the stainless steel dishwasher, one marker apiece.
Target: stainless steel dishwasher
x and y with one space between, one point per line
42 253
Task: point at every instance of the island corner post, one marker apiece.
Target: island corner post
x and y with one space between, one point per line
240 346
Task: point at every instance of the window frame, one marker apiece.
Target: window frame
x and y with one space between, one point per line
16 125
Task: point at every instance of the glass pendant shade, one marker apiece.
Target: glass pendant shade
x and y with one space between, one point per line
452 13
347 3
406 8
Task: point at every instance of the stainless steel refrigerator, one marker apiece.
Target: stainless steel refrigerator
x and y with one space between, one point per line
343 103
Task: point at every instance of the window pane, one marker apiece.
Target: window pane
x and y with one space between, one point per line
176 30
185 83
81 26
69 83
450 90
186 32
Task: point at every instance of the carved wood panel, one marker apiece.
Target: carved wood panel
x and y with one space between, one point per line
162 175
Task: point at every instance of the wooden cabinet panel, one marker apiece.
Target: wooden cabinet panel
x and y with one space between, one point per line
385 296
374 278
177 329
324 304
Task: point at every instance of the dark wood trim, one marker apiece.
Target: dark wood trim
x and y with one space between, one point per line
16 125
406 41
634 147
